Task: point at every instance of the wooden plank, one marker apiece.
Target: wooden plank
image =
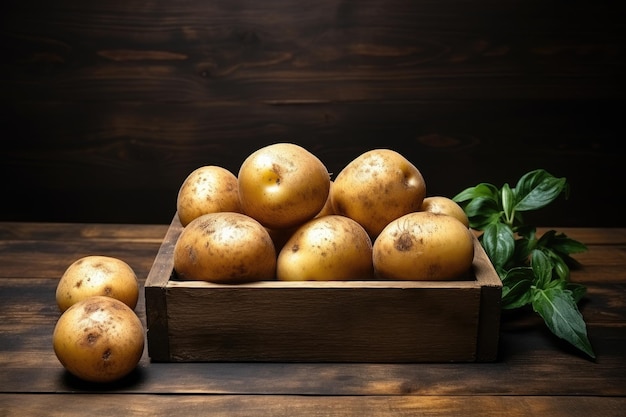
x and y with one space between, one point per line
316 321
240 405
18 231
185 137
324 324
356 50
605 237
602 262
53 258
109 114
145 166
526 349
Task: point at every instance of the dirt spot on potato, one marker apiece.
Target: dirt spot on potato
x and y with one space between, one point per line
191 254
404 242
117 306
278 170
90 338
90 308
102 267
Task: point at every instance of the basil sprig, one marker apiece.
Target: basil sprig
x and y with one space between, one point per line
534 270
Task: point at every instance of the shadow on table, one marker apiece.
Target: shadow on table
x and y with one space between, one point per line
74 383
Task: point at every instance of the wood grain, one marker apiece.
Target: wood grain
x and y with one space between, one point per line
107 107
534 373
315 321
379 406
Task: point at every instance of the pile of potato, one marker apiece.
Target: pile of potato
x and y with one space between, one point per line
98 337
283 217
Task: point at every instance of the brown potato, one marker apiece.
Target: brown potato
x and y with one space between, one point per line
423 246
282 185
327 248
225 248
377 187
445 205
208 189
97 275
99 339
328 206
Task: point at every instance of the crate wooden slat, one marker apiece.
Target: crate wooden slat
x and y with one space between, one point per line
349 321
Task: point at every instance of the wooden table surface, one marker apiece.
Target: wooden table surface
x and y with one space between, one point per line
535 373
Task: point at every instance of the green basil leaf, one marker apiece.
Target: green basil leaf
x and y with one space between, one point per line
578 290
482 212
561 243
508 202
499 244
559 311
523 248
516 285
556 283
483 190
547 237
537 189
481 222
481 206
561 268
542 268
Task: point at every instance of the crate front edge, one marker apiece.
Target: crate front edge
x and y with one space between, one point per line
161 291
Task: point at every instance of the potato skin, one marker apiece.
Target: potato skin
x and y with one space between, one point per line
282 185
327 210
444 205
376 187
97 275
99 339
207 189
225 248
327 248
423 246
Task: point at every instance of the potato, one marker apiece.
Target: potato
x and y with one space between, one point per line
97 275
423 246
99 339
225 248
207 189
328 206
444 205
282 185
377 187
326 248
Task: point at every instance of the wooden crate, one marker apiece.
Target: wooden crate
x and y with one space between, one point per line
362 321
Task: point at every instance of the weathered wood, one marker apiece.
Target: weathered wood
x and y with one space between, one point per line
379 406
200 51
155 293
107 107
356 321
534 373
136 176
527 352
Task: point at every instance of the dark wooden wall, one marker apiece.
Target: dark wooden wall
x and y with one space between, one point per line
106 106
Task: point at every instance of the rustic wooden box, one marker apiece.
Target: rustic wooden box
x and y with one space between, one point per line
364 321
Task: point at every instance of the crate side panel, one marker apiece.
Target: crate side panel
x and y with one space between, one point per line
333 324
157 324
163 264
489 324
